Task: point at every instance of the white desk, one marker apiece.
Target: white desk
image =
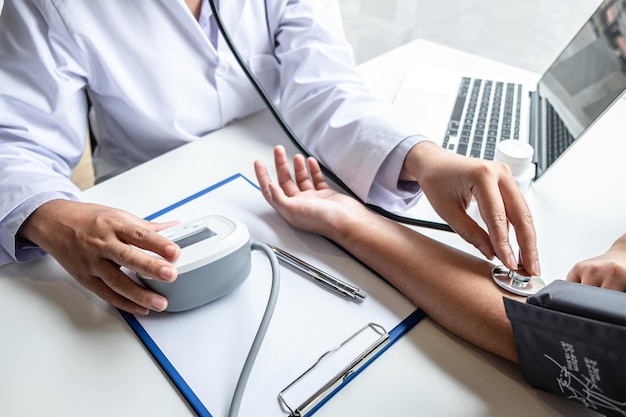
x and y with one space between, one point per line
66 353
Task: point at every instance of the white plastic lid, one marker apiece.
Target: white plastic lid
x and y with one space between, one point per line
516 154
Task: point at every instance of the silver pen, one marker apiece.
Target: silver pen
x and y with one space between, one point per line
322 278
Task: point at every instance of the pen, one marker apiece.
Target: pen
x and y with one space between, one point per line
322 278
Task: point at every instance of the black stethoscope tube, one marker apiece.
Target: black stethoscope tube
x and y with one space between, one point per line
294 138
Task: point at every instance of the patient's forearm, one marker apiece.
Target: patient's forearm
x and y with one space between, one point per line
451 286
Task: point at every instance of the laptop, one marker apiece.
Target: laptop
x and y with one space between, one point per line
471 113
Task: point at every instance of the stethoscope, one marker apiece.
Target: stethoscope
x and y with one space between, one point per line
505 278
515 282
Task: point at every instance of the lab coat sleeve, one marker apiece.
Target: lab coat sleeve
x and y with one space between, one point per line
42 117
331 109
405 192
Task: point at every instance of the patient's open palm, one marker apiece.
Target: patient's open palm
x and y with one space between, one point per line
305 199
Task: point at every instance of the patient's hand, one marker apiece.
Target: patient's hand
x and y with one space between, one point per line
305 200
607 270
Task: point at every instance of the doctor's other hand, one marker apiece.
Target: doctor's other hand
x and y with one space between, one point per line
305 200
451 181
92 242
607 270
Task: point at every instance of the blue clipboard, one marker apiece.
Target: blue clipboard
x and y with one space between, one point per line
185 388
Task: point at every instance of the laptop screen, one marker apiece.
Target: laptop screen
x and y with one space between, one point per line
588 76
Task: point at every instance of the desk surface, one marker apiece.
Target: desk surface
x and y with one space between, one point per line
66 353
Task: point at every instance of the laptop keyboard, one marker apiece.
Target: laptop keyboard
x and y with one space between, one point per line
485 112
559 138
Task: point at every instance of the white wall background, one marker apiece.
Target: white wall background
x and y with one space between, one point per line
526 33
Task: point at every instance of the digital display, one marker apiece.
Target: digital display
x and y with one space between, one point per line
195 237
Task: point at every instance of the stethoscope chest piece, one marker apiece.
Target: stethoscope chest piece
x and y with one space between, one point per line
516 283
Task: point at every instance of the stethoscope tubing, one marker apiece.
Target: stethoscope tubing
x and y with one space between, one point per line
296 141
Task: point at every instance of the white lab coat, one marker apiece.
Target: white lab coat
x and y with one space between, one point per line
157 82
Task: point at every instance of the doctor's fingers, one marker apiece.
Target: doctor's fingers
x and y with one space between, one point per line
499 203
117 289
126 253
144 235
468 229
520 217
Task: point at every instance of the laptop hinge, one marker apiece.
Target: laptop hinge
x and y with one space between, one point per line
535 127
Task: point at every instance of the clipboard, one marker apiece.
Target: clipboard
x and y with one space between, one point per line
202 350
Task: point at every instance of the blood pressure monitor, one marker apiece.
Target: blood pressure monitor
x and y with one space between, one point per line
215 259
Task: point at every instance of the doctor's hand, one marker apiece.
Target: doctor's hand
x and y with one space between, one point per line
306 201
92 242
607 270
451 181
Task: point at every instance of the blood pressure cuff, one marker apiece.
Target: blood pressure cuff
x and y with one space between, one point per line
571 341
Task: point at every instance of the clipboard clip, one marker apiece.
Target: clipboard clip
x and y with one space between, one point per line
340 377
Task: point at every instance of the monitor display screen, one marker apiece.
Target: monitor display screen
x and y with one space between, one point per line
195 237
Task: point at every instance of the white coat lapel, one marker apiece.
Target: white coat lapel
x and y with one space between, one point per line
237 12
232 12
193 32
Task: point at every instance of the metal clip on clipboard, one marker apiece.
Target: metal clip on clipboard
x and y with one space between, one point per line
319 395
